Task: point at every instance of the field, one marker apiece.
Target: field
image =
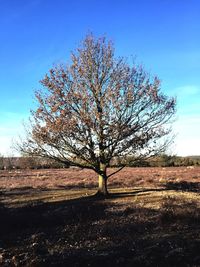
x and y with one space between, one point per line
52 218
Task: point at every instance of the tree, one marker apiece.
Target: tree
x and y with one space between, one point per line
97 108
1 162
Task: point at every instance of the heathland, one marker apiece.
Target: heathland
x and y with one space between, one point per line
53 218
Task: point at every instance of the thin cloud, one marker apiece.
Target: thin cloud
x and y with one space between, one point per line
188 90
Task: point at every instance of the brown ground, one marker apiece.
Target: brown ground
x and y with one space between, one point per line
52 218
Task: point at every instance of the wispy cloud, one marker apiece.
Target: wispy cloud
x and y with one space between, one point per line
187 125
188 90
12 117
187 100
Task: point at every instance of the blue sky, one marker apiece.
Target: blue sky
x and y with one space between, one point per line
162 34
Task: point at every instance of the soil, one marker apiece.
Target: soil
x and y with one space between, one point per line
53 218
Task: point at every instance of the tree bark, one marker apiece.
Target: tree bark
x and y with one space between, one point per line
102 190
102 185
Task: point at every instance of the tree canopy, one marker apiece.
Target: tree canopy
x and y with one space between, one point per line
96 108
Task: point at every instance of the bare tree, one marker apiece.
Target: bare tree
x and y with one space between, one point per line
97 108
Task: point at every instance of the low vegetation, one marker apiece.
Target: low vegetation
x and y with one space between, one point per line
164 160
52 218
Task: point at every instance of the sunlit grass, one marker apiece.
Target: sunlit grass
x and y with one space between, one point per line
143 196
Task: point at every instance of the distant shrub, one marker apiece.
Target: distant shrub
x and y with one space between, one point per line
30 163
1 163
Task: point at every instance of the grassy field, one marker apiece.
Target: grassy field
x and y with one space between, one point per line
52 218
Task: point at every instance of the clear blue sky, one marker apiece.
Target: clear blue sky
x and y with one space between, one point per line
164 35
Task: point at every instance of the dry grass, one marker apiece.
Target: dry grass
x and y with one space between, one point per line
52 218
74 177
146 185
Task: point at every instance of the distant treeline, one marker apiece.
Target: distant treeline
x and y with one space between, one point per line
8 163
163 160
43 163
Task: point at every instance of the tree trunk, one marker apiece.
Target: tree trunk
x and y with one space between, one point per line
102 190
102 185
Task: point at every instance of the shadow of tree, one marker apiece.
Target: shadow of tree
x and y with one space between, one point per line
91 231
184 186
